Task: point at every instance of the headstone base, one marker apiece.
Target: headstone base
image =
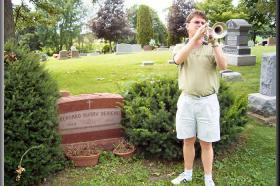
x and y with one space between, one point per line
145 63
231 76
240 60
92 136
104 144
271 121
262 104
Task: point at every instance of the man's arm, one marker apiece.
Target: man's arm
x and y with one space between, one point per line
183 54
220 58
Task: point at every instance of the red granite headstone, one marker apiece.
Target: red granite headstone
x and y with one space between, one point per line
90 117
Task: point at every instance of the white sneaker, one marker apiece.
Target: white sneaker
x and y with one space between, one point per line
181 178
209 183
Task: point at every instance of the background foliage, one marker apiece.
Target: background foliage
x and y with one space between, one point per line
144 25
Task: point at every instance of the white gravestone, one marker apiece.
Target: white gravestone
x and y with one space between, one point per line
124 48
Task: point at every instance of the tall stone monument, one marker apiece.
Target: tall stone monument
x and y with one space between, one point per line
264 102
236 47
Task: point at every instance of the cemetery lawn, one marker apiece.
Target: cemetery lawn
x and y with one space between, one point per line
113 73
249 162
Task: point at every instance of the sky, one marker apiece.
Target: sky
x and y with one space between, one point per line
160 6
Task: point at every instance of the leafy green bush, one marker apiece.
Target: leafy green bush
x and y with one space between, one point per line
106 49
233 115
149 117
30 118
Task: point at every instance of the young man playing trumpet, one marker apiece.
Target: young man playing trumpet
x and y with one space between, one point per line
198 109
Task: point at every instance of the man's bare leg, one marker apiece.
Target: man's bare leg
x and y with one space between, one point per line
189 153
207 161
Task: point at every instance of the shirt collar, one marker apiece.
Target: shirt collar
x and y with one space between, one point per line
203 43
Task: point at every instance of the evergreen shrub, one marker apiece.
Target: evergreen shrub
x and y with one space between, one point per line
149 117
30 118
106 49
144 25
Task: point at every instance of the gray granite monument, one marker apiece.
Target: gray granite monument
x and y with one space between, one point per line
63 54
264 102
236 47
124 48
229 75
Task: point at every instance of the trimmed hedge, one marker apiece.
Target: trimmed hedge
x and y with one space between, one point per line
30 118
149 117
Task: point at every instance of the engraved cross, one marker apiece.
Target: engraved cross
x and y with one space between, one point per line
89 103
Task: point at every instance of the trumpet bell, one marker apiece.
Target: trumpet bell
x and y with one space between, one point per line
220 30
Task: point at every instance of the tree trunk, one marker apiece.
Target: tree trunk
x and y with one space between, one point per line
9 27
110 46
254 37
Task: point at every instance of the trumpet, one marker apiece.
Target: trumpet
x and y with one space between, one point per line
219 30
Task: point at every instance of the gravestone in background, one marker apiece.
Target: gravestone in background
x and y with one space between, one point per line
136 48
63 54
91 117
162 49
236 47
264 102
75 53
229 75
124 48
145 63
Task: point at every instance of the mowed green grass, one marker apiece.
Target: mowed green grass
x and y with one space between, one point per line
112 73
108 73
250 162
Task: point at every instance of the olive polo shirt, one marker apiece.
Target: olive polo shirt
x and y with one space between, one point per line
197 74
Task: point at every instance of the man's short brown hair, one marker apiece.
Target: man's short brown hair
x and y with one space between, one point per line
196 13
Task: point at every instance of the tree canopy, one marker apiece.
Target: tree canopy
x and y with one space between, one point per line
261 14
220 10
111 22
177 14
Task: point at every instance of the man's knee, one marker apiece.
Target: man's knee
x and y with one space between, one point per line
205 145
189 141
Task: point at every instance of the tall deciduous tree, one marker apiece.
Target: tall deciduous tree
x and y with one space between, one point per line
220 10
159 29
9 26
144 25
111 22
261 15
69 25
177 14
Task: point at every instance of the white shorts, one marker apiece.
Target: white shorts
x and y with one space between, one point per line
198 117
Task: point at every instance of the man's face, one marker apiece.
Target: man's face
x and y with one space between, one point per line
194 24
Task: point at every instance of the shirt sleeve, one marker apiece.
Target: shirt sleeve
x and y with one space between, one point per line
176 49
